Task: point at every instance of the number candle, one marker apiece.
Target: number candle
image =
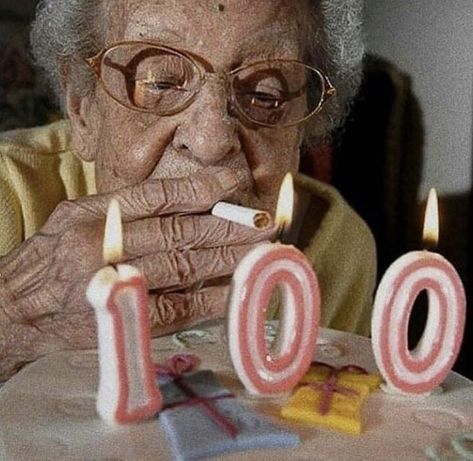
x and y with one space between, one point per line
423 369
127 389
263 371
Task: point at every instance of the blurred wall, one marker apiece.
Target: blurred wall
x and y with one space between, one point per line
432 41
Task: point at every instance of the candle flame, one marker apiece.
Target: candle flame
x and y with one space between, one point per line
431 221
113 238
285 207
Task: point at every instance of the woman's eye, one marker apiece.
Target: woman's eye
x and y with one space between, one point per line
261 91
265 100
162 84
161 81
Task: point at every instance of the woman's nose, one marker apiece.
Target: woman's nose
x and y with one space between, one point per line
207 131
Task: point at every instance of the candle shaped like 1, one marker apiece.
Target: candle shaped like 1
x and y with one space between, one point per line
423 369
263 371
127 389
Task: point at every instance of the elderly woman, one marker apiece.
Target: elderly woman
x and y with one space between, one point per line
172 106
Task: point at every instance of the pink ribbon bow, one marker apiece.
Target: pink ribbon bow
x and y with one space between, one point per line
330 386
177 365
175 368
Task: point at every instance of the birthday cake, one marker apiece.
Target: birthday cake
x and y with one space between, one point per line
48 411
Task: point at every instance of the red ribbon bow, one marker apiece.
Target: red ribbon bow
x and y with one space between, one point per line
177 365
330 386
175 368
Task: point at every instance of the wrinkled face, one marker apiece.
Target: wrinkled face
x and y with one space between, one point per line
132 146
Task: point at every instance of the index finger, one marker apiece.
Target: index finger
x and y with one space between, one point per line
154 197
153 235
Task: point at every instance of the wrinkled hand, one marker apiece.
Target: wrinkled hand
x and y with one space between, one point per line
166 236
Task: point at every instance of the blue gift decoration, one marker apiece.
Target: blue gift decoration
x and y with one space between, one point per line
203 419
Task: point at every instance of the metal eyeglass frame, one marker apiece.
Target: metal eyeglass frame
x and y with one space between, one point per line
96 62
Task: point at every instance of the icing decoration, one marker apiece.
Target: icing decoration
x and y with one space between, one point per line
433 454
332 397
191 338
175 368
459 445
127 389
193 437
330 350
279 369
419 371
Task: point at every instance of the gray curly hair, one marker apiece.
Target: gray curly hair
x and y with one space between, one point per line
71 31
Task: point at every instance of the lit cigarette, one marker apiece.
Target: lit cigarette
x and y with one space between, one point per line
257 219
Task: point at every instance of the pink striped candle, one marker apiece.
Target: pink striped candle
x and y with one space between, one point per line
127 390
264 371
419 371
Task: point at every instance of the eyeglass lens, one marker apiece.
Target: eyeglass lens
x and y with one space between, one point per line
164 81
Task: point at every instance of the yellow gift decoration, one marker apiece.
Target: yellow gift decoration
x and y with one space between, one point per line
332 397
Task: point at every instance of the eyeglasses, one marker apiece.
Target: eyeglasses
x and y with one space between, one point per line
157 79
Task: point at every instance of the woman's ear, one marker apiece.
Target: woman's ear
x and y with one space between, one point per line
85 123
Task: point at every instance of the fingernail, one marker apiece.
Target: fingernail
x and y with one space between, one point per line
227 179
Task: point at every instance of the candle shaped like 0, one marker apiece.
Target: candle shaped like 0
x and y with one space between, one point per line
127 389
264 371
423 369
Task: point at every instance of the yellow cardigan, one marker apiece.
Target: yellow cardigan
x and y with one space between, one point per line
38 169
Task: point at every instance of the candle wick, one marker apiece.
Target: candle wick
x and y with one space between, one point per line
282 232
430 244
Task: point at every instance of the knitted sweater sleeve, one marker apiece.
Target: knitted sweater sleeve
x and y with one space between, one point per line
342 251
11 226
